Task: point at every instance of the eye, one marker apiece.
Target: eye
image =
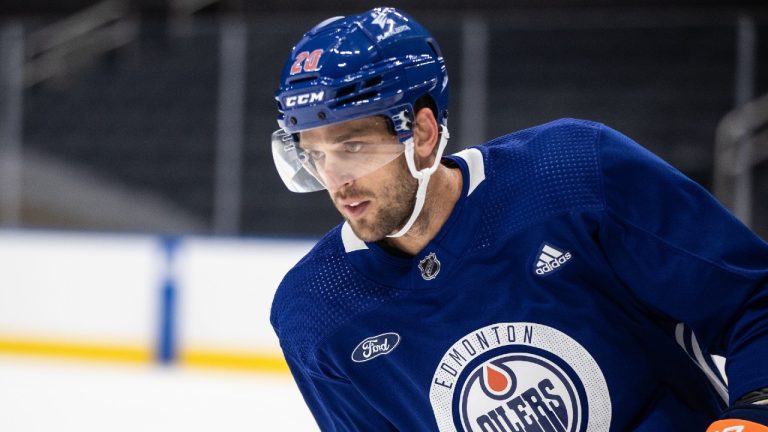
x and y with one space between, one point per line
352 147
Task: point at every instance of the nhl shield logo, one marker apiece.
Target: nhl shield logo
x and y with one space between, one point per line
429 266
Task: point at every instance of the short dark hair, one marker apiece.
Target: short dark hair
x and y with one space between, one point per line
425 101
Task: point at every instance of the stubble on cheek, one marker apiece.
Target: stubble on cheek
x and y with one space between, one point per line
390 212
391 204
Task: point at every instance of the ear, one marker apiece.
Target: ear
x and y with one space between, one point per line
425 136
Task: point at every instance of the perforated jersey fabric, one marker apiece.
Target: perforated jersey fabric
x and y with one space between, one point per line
321 294
544 171
580 284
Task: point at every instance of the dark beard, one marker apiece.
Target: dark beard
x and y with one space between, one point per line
402 198
393 218
390 219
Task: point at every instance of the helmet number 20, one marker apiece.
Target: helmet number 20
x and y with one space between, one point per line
306 61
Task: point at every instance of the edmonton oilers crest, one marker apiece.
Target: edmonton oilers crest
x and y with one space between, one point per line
519 377
429 266
520 392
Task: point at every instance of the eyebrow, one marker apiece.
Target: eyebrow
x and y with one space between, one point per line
355 131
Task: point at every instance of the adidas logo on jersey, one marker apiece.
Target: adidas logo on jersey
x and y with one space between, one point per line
550 259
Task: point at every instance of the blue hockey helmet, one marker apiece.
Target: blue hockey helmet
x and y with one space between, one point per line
376 63
351 67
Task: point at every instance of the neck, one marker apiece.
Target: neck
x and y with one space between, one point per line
443 192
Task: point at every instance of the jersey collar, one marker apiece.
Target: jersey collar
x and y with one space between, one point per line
436 261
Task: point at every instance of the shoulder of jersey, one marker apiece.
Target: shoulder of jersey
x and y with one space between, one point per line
325 248
294 292
538 173
548 151
319 295
544 131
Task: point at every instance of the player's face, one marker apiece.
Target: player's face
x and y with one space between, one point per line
377 203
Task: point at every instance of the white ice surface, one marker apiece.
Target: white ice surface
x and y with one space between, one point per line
60 396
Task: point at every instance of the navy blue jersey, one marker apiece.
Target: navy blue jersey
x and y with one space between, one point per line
580 284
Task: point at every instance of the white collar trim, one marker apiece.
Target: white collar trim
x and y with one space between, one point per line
474 159
351 241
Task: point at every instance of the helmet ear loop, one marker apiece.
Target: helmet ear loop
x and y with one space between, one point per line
422 176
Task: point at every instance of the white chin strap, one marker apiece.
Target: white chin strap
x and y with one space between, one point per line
422 176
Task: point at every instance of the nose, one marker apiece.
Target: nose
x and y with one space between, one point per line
335 174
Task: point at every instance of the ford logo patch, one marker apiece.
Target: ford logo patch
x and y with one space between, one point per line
375 346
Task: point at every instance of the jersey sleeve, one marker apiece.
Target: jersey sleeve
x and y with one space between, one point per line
334 402
686 257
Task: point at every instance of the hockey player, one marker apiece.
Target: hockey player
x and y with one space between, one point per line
560 278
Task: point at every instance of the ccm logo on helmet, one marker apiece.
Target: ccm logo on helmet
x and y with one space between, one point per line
304 99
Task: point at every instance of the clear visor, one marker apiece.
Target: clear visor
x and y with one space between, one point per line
330 162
